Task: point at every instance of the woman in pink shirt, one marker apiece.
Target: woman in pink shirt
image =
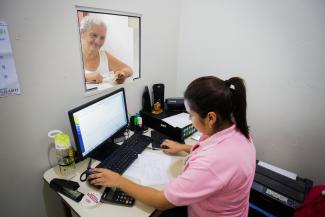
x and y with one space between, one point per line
220 168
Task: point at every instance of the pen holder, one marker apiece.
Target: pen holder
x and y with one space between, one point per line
136 124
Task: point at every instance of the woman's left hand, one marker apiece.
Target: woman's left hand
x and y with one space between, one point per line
104 177
120 74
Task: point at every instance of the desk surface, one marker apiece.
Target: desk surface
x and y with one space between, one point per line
138 210
105 84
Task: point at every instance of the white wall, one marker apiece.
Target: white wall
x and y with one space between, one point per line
278 47
44 37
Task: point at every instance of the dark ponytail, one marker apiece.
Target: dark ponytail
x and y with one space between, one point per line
227 98
239 104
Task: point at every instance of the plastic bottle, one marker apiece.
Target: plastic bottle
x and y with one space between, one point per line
140 121
136 121
65 155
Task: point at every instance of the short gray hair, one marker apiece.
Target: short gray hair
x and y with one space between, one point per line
89 20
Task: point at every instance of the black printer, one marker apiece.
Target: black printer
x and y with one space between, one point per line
277 193
156 122
175 104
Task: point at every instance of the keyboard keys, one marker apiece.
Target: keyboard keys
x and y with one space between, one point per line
126 154
119 161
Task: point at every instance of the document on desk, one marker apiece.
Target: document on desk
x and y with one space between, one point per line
283 172
150 169
180 120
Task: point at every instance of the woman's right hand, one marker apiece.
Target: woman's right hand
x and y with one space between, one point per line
104 177
171 147
95 77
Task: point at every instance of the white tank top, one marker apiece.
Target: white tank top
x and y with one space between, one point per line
103 65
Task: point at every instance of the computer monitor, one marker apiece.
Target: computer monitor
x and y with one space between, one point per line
96 122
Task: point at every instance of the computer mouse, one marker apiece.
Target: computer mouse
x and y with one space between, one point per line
165 147
89 180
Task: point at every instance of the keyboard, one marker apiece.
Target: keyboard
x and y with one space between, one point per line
126 154
118 162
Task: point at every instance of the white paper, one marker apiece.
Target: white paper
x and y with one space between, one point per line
196 136
150 169
9 84
286 173
180 120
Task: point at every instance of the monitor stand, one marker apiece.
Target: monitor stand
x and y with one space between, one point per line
104 151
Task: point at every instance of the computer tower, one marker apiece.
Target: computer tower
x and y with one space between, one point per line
158 94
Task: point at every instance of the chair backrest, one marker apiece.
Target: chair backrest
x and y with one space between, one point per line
314 203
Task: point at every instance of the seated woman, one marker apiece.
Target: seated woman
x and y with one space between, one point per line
99 64
219 170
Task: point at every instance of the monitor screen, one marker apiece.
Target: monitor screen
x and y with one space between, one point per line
95 122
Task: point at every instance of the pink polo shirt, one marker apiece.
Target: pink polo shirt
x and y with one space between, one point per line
217 177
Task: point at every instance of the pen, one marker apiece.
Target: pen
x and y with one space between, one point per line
93 88
152 148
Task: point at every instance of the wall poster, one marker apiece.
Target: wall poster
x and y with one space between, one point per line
9 84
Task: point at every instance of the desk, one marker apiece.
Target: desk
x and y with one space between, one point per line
138 210
105 84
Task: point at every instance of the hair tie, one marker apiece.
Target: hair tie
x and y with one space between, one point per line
228 84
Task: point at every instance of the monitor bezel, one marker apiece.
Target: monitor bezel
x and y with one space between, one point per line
74 129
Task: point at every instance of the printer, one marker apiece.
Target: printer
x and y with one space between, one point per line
175 104
158 123
277 191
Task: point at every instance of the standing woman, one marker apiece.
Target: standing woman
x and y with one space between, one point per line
99 64
219 171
